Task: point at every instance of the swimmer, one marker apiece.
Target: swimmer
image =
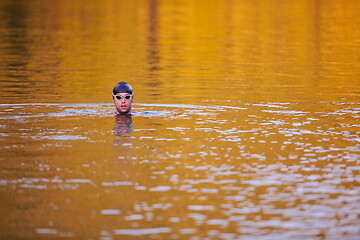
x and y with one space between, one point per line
123 96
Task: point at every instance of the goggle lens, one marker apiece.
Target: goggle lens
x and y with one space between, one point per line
119 97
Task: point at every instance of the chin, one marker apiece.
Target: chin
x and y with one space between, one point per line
124 111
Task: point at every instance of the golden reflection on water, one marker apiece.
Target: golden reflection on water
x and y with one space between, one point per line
245 125
256 50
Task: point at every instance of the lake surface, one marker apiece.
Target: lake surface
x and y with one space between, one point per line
245 124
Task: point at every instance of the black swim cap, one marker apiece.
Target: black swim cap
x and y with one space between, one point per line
122 87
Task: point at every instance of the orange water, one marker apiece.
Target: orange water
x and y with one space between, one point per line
246 122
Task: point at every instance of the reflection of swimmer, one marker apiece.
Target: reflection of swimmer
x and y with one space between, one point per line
123 97
123 124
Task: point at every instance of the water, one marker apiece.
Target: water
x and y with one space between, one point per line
245 124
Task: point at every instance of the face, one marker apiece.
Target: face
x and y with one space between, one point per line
123 102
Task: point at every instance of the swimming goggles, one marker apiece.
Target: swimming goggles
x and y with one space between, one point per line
119 97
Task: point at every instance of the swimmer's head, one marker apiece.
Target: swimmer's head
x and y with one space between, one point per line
122 87
123 96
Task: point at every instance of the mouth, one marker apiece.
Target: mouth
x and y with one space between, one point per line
123 107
